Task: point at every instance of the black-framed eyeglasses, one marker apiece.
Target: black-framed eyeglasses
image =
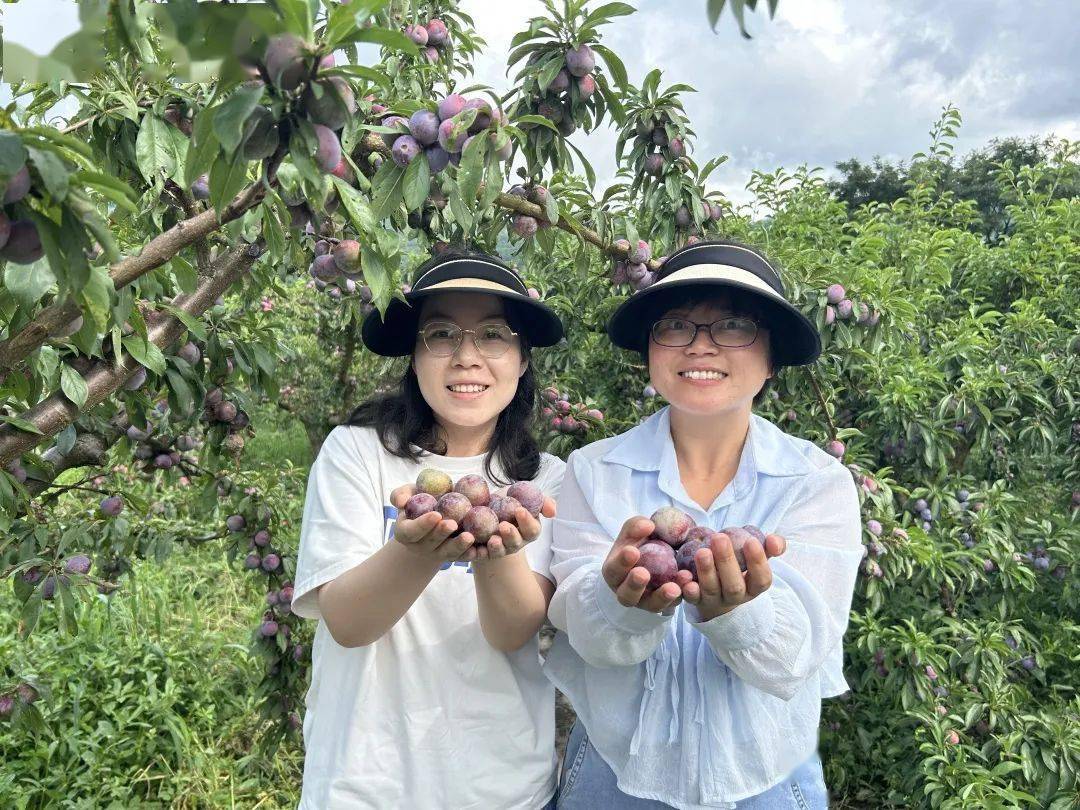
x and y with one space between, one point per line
732 332
442 339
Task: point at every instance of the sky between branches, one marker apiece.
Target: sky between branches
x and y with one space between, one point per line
825 81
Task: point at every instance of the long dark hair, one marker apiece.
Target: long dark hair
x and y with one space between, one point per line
404 421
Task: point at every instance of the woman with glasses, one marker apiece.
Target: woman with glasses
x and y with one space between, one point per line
426 687
703 693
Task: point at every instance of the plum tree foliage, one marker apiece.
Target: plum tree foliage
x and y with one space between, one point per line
190 248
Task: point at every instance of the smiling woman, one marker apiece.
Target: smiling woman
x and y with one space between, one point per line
697 676
427 644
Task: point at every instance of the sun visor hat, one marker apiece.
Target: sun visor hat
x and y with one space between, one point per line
394 335
708 268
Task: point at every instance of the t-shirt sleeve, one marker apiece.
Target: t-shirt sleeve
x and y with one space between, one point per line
343 518
538 552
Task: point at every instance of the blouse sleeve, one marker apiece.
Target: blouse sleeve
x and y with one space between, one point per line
602 631
782 638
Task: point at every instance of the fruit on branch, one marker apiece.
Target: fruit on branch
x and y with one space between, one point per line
654 164
346 254
424 127
586 86
437 158
18 186
329 101
640 253
111 506
395 122
285 61
417 33
190 353
580 60
450 106
524 225
677 148
560 83
405 150
23 244
682 217
430 54
324 269
835 448
137 380
260 135
328 151
200 189
452 134
835 293
437 33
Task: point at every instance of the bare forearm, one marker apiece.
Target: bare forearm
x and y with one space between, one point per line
510 599
362 604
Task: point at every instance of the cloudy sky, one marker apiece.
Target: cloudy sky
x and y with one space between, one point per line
824 81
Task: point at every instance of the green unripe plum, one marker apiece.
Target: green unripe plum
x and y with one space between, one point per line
434 482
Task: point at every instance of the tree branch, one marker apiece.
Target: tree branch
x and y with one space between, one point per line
156 252
374 143
56 412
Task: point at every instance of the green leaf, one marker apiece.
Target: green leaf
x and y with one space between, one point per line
28 282
12 154
386 189
54 174
202 149
231 114
180 392
21 424
145 353
153 149
194 324
605 13
109 187
376 276
227 178
394 40
549 72
272 230
73 385
28 618
417 182
96 296
187 277
356 206
471 170
536 119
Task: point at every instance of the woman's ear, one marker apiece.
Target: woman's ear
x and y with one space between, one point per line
524 366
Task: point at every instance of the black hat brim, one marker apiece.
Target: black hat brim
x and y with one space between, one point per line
395 334
794 340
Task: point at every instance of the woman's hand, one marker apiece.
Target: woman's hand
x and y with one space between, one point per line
628 580
721 585
511 538
428 536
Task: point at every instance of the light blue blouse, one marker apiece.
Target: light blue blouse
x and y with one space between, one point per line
703 714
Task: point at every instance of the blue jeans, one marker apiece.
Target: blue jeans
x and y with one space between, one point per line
587 783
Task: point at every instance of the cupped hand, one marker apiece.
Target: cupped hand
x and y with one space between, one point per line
630 581
721 586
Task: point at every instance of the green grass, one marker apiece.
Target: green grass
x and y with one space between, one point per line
152 703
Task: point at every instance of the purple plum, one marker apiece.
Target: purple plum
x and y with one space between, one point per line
481 522
451 106
671 525
658 558
835 293
420 504
528 495
453 506
580 61
475 488
18 186
424 126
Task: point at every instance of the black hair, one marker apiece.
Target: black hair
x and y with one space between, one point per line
742 303
404 421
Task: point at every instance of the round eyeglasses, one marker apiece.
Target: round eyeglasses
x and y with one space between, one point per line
731 332
443 339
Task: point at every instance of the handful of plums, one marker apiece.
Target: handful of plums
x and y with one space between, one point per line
469 502
676 539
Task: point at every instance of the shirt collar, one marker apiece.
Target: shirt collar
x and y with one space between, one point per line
768 450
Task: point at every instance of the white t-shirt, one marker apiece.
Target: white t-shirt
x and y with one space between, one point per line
430 715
